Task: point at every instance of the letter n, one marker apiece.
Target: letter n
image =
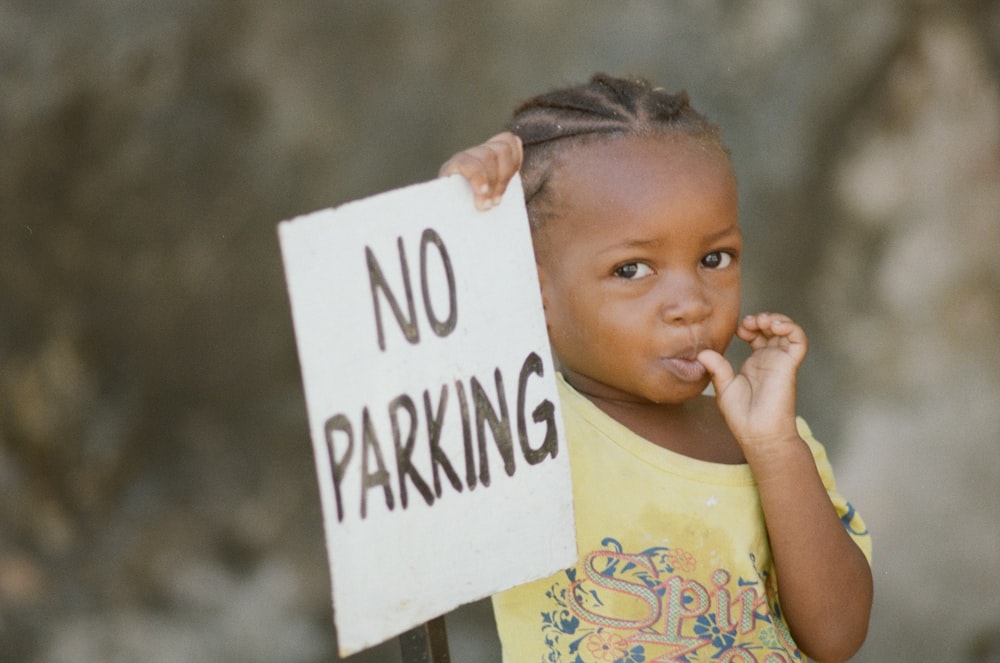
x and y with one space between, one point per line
499 424
378 283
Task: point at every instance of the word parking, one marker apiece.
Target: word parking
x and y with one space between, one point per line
480 410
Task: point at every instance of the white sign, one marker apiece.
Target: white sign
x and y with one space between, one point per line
432 404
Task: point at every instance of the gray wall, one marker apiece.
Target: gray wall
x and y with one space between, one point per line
157 495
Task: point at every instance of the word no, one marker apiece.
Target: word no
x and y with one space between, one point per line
408 320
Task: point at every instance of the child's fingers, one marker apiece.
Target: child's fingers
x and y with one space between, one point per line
769 324
718 367
488 167
760 329
509 154
763 320
473 166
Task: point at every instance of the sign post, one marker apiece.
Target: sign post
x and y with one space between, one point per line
432 405
426 644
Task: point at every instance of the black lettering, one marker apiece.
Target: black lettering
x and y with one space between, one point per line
438 458
545 411
338 466
380 477
378 283
404 451
470 457
499 425
440 328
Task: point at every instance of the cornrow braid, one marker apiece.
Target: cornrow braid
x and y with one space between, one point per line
605 106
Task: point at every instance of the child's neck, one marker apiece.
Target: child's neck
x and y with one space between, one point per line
694 428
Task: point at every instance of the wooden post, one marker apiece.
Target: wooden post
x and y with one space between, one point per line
426 644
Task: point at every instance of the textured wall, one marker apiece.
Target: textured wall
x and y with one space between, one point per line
157 495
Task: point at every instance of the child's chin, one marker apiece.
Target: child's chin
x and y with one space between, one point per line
680 393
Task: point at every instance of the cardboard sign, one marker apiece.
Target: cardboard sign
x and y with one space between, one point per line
432 404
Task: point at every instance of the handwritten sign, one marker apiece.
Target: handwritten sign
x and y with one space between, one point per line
432 404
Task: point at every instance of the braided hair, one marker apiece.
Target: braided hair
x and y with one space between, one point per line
603 108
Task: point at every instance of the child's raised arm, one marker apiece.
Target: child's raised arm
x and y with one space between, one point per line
824 579
488 167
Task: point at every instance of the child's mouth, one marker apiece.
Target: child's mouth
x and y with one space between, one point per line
687 370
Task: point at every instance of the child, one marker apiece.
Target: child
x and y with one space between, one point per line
709 528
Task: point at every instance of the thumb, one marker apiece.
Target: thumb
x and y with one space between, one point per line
718 367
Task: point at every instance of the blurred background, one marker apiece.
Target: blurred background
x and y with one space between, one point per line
158 500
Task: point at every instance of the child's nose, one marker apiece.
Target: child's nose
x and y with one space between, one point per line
684 299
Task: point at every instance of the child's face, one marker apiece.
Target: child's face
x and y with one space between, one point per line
639 266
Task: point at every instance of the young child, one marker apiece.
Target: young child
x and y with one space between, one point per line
709 528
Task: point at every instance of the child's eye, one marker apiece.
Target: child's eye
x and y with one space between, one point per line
717 259
633 270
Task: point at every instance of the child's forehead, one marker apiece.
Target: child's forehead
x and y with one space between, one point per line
632 163
672 145
640 189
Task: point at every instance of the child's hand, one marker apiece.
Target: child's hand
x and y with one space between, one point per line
488 167
822 571
759 402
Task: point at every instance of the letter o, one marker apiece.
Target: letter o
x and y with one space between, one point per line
446 327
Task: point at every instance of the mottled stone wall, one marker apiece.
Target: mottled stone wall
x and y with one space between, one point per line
157 495
911 286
